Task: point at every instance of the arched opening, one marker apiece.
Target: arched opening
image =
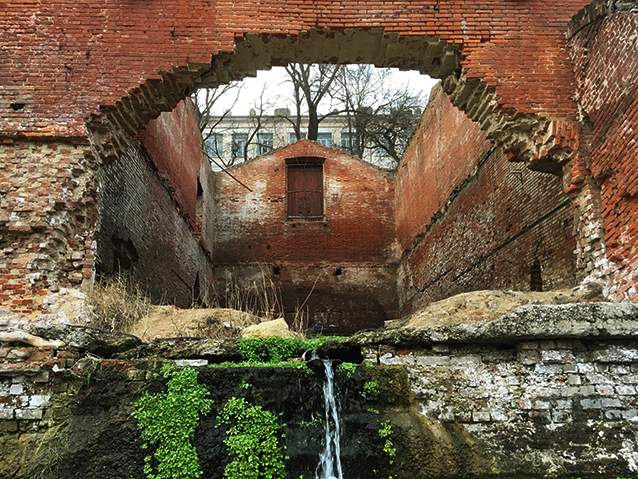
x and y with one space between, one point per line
458 214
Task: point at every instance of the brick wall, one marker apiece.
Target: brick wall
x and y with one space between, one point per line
143 233
604 49
173 142
468 219
47 216
84 54
343 260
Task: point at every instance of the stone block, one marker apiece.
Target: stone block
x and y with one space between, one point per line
557 356
591 403
16 389
611 403
625 390
561 416
614 414
6 413
29 414
574 380
40 400
529 357
481 416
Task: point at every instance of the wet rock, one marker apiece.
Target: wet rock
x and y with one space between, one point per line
90 340
339 350
213 350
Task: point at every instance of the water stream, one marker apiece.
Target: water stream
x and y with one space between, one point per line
329 466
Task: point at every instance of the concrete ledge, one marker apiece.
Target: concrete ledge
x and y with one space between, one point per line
568 321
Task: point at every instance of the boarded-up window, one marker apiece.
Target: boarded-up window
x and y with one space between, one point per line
305 188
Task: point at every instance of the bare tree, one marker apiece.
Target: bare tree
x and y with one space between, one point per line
311 85
207 98
380 115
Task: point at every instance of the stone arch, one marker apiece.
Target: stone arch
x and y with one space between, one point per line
543 142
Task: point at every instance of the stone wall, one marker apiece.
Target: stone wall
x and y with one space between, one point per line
340 266
545 391
143 233
469 219
604 50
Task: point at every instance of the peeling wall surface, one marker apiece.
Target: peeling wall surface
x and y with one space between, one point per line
604 50
469 219
342 263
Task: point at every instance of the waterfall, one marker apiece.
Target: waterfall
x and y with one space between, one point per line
329 466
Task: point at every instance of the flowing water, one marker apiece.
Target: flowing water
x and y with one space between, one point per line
329 466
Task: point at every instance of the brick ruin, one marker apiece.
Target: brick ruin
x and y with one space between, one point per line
541 82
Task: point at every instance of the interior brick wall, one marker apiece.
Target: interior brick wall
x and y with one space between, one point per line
468 219
343 264
173 141
604 49
142 233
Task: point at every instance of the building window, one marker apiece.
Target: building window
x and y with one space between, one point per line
347 140
215 145
324 139
305 188
264 143
239 144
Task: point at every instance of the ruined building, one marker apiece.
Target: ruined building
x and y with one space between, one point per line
523 174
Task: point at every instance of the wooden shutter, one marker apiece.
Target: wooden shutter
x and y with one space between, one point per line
305 191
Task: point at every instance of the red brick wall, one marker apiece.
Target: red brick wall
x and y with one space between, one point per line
357 236
468 219
64 59
174 144
605 54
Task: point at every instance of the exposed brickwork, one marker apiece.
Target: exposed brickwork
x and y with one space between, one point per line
143 233
512 55
468 219
47 216
356 237
604 49
173 142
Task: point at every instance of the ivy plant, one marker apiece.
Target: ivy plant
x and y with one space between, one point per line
254 441
167 422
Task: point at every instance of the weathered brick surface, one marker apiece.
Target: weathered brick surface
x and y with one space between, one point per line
173 142
47 217
143 233
604 50
66 58
356 238
468 219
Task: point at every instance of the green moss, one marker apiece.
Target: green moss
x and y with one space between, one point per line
257 364
385 433
254 441
347 369
370 389
275 350
168 420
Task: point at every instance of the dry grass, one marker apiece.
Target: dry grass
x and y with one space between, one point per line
260 297
117 304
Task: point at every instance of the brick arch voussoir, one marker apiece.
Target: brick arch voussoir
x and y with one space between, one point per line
528 137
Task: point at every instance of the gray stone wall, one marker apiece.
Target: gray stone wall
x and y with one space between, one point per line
556 405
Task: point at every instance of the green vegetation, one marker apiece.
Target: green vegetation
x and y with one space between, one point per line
168 420
254 441
257 364
371 389
276 350
347 369
385 433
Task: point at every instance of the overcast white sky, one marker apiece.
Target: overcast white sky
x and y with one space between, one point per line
277 90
